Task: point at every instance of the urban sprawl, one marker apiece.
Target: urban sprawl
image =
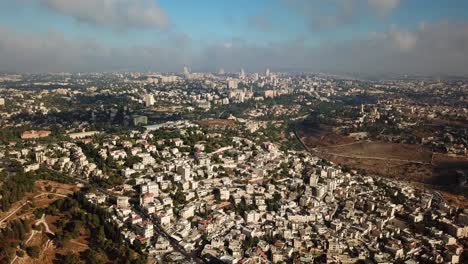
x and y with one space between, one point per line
217 168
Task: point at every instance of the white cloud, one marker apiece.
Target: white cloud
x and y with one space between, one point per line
259 22
435 49
52 52
336 13
384 7
114 13
404 40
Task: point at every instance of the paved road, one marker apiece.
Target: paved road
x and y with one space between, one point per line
174 243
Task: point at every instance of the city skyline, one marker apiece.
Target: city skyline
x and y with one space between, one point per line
367 37
233 132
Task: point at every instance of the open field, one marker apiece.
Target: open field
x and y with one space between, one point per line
446 167
217 122
391 168
398 161
323 137
387 151
440 122
440 176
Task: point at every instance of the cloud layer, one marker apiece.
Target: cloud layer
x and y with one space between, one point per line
114 13
432 49
52 52
383 7
259 22
328 14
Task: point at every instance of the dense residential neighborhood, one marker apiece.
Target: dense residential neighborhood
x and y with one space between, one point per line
233 132
210 167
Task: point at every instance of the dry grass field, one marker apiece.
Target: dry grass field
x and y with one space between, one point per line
46 192
217 122
323 137
412 163
390 151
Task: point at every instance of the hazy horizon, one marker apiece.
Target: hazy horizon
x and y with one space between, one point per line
355 37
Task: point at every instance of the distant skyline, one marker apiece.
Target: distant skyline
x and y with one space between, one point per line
367 37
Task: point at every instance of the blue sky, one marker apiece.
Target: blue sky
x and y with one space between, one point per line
167 34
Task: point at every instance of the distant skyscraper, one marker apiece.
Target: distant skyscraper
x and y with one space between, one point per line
232 84
242 74
186 72
149 100
255 76
2 101
241 97
267 73
221 71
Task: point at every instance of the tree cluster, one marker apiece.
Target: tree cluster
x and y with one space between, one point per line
11 236
106 242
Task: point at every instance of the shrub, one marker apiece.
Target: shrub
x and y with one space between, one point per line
33 251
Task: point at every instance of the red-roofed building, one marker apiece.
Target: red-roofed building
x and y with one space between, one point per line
146 198
33 134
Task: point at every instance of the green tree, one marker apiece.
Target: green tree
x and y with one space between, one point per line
33 251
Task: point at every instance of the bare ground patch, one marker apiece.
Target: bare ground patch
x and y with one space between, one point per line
217 122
